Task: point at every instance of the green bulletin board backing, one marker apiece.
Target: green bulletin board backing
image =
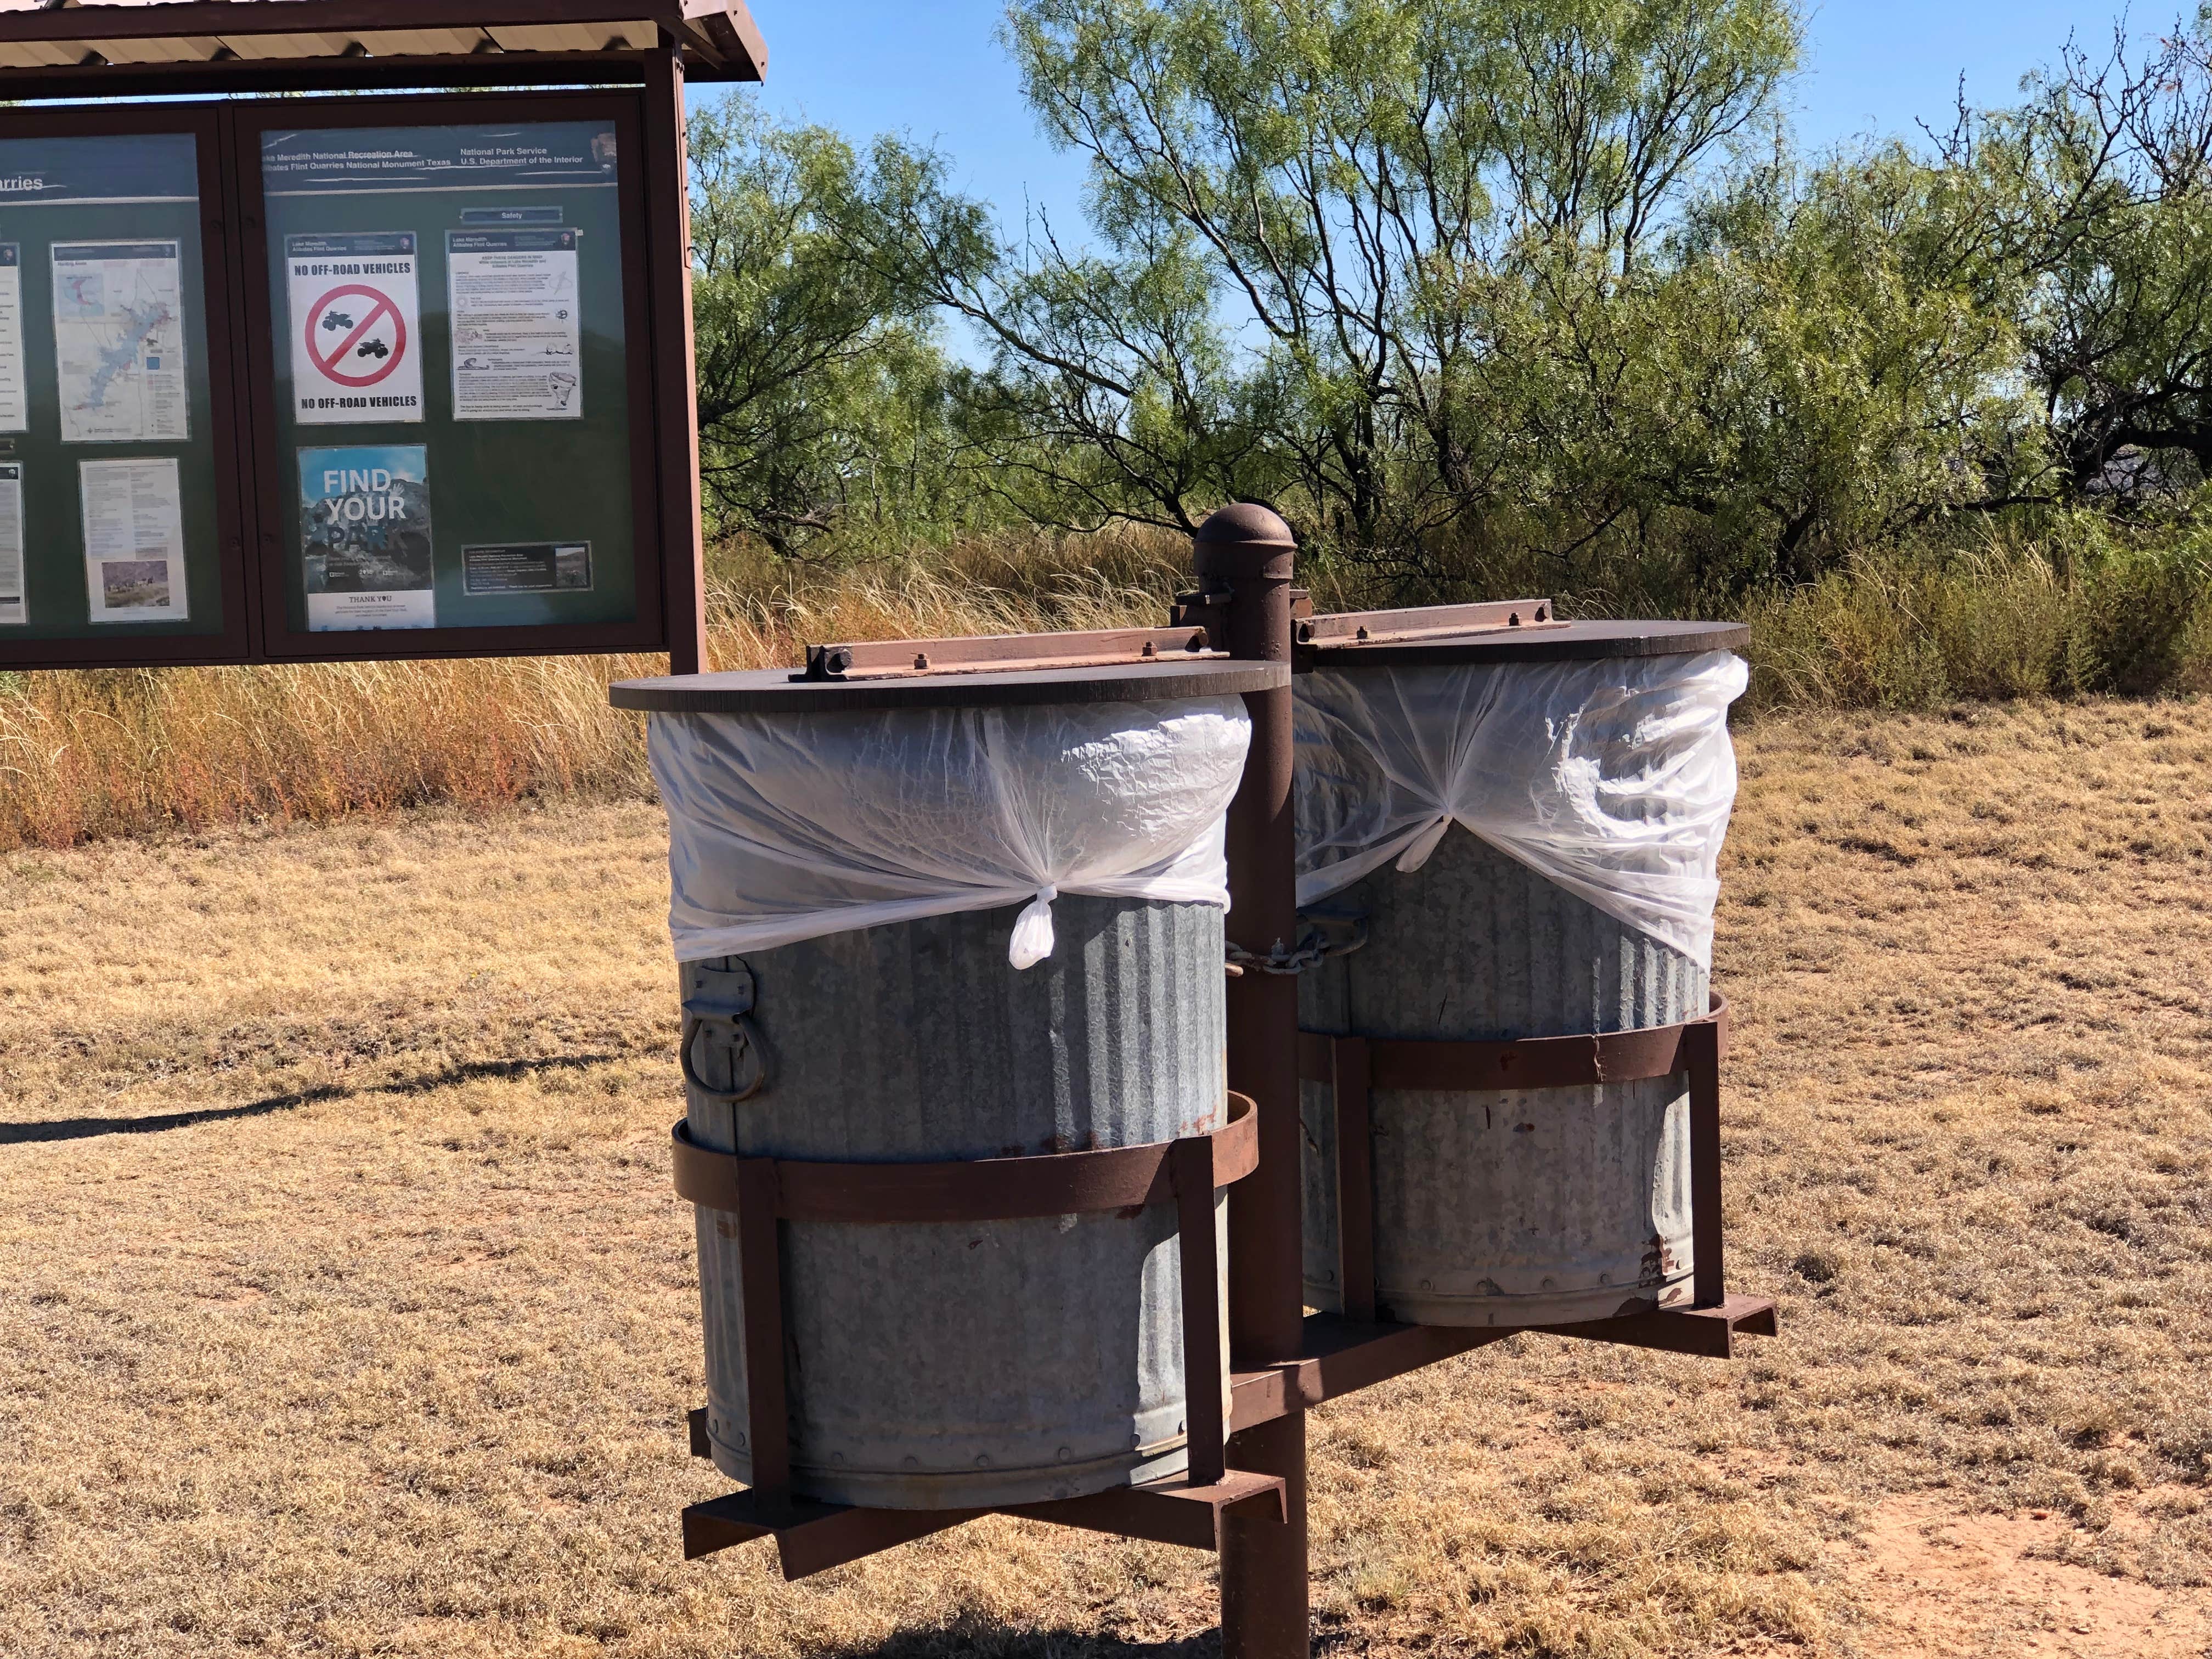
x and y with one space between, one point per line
105 358
344 377
431 478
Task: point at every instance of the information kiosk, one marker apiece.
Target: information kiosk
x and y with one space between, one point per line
391 374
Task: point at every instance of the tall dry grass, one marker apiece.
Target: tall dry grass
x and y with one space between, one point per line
1991 625
84 756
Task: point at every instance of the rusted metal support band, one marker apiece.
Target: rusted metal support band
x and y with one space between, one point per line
1342 1356
1195 1169
814 1537
760 1272
1354 1067
1703 1048
976 1189
1559 1062
1352 1062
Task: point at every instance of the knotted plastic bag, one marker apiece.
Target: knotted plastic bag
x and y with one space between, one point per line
1612 779
787 827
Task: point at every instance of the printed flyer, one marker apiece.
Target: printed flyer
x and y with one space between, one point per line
357 328
15 411
119 342
516 326
365 536
14 608
134 540
527 567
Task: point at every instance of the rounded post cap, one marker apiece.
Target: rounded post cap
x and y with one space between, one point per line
1246 523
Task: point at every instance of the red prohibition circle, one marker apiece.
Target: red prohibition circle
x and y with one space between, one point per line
329 366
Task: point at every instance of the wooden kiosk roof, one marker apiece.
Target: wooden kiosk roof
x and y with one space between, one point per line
123 47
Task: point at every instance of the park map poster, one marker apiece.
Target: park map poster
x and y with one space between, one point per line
365 527
119 342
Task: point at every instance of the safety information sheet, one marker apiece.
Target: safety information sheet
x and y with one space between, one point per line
516 332
14 413
134 540
14 608
357 328
119 340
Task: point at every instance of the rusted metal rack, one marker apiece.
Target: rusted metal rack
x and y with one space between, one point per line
1247 1500
759 1192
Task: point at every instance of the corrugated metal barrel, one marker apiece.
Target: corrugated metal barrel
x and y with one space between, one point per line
956 1364
1506 1207
1534 1207
952 1367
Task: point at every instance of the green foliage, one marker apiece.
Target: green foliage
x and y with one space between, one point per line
1516 293
1454 285
825 398
2095 191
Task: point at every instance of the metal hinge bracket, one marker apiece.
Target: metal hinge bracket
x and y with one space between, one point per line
723 1000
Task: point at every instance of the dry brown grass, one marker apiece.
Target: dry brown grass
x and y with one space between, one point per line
89 755
377 1337
84 756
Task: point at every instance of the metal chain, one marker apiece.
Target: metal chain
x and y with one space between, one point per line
1312 950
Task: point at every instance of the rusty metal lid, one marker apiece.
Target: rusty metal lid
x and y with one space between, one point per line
1245 524
779 691
1567 642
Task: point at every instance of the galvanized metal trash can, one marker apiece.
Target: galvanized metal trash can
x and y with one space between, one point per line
1499 1206
959 1365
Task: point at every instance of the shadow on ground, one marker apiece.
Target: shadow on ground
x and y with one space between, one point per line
977 1640
86 1128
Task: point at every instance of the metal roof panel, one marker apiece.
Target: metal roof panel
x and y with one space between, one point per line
719 34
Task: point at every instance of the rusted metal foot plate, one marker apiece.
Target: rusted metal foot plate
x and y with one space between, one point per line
1341 1356
1169 1511
812 1537
1707 1331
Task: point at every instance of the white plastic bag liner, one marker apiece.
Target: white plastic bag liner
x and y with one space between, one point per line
789 827
1612 779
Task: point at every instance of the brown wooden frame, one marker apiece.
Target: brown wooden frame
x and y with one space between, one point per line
121 647
654 528
719 41
642 91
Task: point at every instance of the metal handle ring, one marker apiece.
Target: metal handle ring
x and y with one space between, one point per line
748 1047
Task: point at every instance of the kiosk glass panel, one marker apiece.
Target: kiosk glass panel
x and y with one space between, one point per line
452 396
109 470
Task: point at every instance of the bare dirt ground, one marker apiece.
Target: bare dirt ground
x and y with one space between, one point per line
345 1310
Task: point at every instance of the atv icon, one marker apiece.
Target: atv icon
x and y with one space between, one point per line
337 319
374 349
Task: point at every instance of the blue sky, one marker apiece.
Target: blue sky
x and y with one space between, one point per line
934 70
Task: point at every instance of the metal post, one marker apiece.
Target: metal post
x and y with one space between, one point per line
1245 556
1703 1042
668 214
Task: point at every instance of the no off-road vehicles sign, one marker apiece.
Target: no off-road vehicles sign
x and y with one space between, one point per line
356 329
